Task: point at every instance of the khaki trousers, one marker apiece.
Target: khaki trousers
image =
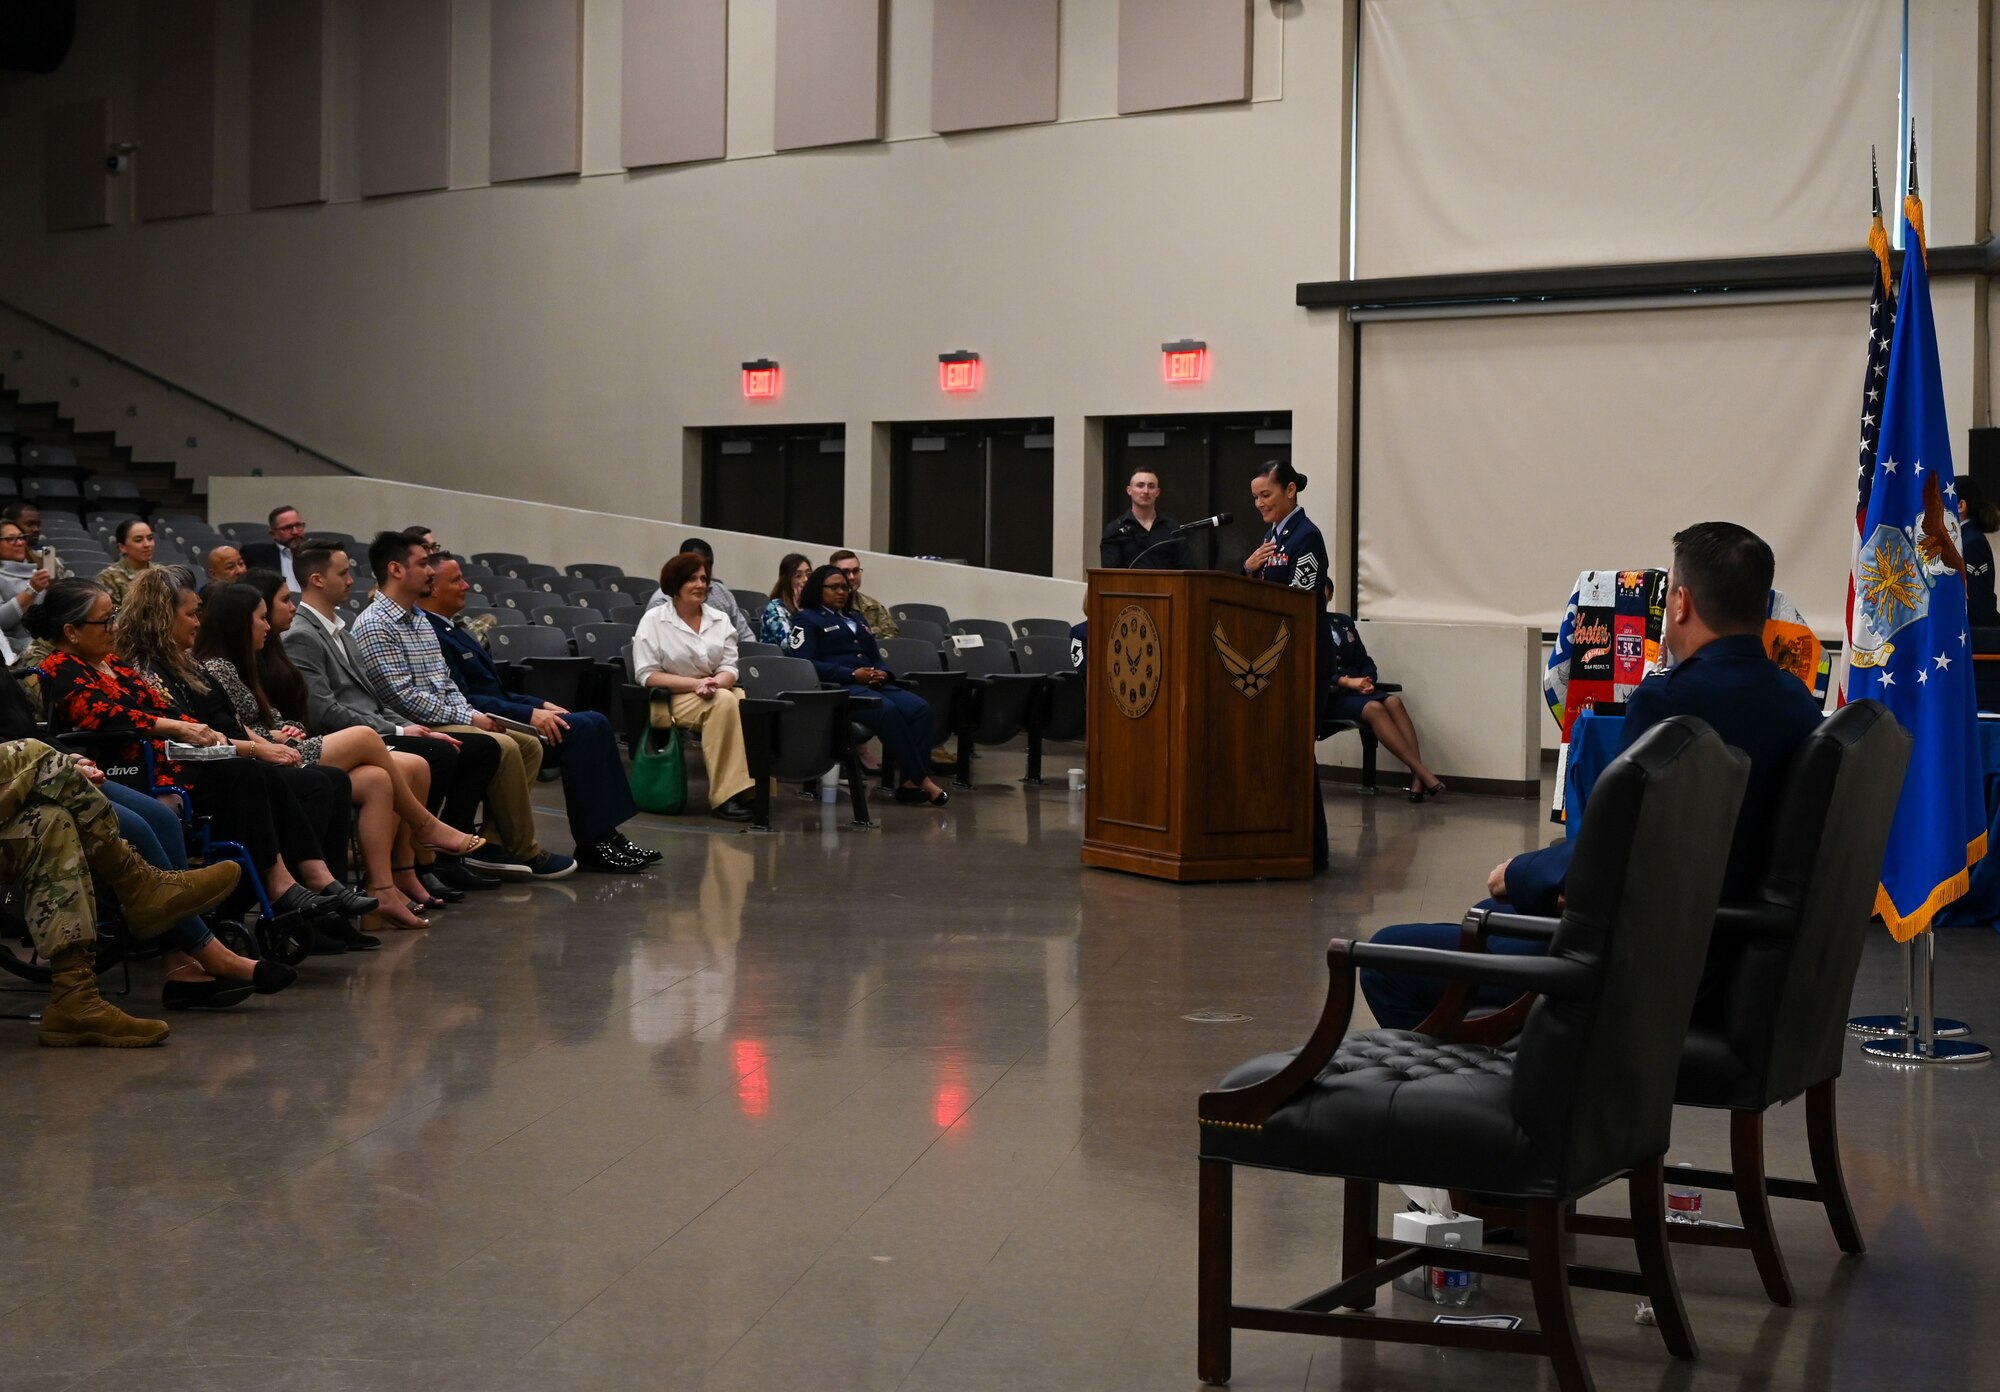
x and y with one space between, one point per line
510 812
721 725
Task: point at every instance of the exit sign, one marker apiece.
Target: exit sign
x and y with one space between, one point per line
1185 362
958 372
760 380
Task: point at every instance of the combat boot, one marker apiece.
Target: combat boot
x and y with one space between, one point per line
77 1014
154 900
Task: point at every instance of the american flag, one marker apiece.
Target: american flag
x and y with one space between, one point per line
1881 330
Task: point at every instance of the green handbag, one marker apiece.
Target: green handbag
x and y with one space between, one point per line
659 773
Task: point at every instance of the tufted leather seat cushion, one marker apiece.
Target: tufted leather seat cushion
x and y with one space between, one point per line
1396 1106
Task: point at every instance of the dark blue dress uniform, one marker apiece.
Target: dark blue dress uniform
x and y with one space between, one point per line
1979 591
1301 564
1752 703
595 790
1347 656
836 644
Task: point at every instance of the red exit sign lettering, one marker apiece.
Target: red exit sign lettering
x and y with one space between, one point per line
1185 362
760 380
958 372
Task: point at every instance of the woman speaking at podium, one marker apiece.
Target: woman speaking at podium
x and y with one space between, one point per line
1293 554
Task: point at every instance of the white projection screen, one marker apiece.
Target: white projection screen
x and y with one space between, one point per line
1500 456
1503 134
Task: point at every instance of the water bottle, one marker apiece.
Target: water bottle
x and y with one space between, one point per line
1452 1286
1683 1204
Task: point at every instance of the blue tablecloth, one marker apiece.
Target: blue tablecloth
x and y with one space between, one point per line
1593 744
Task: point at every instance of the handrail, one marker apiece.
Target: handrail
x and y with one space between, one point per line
229 413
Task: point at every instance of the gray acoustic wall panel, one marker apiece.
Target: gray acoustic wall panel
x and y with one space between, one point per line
76 187
175 98
1182 53
405 95
537 91
994 64
830 68
288 57
675 92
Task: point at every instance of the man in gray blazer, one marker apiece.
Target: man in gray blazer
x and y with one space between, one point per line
338 697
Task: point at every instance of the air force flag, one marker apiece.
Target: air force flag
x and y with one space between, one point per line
1911 648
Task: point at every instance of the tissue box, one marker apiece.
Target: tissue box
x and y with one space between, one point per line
1431 1229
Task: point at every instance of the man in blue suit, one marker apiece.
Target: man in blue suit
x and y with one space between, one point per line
1718 594
580 743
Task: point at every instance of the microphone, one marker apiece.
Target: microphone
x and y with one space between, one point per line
1221 519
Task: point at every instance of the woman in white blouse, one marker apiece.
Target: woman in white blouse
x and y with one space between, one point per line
685 647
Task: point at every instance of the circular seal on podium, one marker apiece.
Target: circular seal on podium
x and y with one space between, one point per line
1136 661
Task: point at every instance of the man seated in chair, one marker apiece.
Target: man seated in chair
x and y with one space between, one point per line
581 743
1717 594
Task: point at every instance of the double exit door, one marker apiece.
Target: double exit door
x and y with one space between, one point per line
782 481
1205 464
980 492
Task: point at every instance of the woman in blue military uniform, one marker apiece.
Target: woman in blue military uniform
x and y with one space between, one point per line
842 649
1353 696
1293 554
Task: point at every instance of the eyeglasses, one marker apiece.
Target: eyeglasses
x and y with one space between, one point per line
16 536
854 574
97 623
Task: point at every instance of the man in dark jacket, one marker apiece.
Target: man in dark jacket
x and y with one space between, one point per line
580 743
1717 596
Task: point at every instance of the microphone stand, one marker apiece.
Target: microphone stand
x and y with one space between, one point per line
1185 529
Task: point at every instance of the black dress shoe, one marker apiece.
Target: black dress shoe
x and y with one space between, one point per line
439 891
351 902
315 908
731 811
639 852
456 874
268 978
918 797
602 860
215 994
350 938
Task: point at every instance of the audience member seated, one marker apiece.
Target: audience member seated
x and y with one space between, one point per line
202 974
870 611
21 582
688 646
1979 516
28 517
720 596
396 829
280 553
1717 595
581 743
86 687
155 632
56 831
224 565
135 558
842 649
1355 698
315 676
776 625
406 667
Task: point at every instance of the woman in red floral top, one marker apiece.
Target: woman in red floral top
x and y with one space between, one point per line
86 688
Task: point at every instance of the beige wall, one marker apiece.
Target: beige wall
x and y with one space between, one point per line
552 341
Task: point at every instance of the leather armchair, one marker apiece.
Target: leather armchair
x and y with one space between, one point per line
1583 1098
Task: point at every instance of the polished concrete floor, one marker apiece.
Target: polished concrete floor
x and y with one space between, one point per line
823 1109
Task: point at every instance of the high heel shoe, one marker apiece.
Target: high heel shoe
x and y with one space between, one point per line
390 907
1429 790
470 843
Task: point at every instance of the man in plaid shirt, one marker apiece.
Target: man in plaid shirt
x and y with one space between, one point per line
406 667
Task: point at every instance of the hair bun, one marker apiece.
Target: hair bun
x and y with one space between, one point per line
1299 479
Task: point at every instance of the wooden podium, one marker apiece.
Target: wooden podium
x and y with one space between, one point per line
1199 764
